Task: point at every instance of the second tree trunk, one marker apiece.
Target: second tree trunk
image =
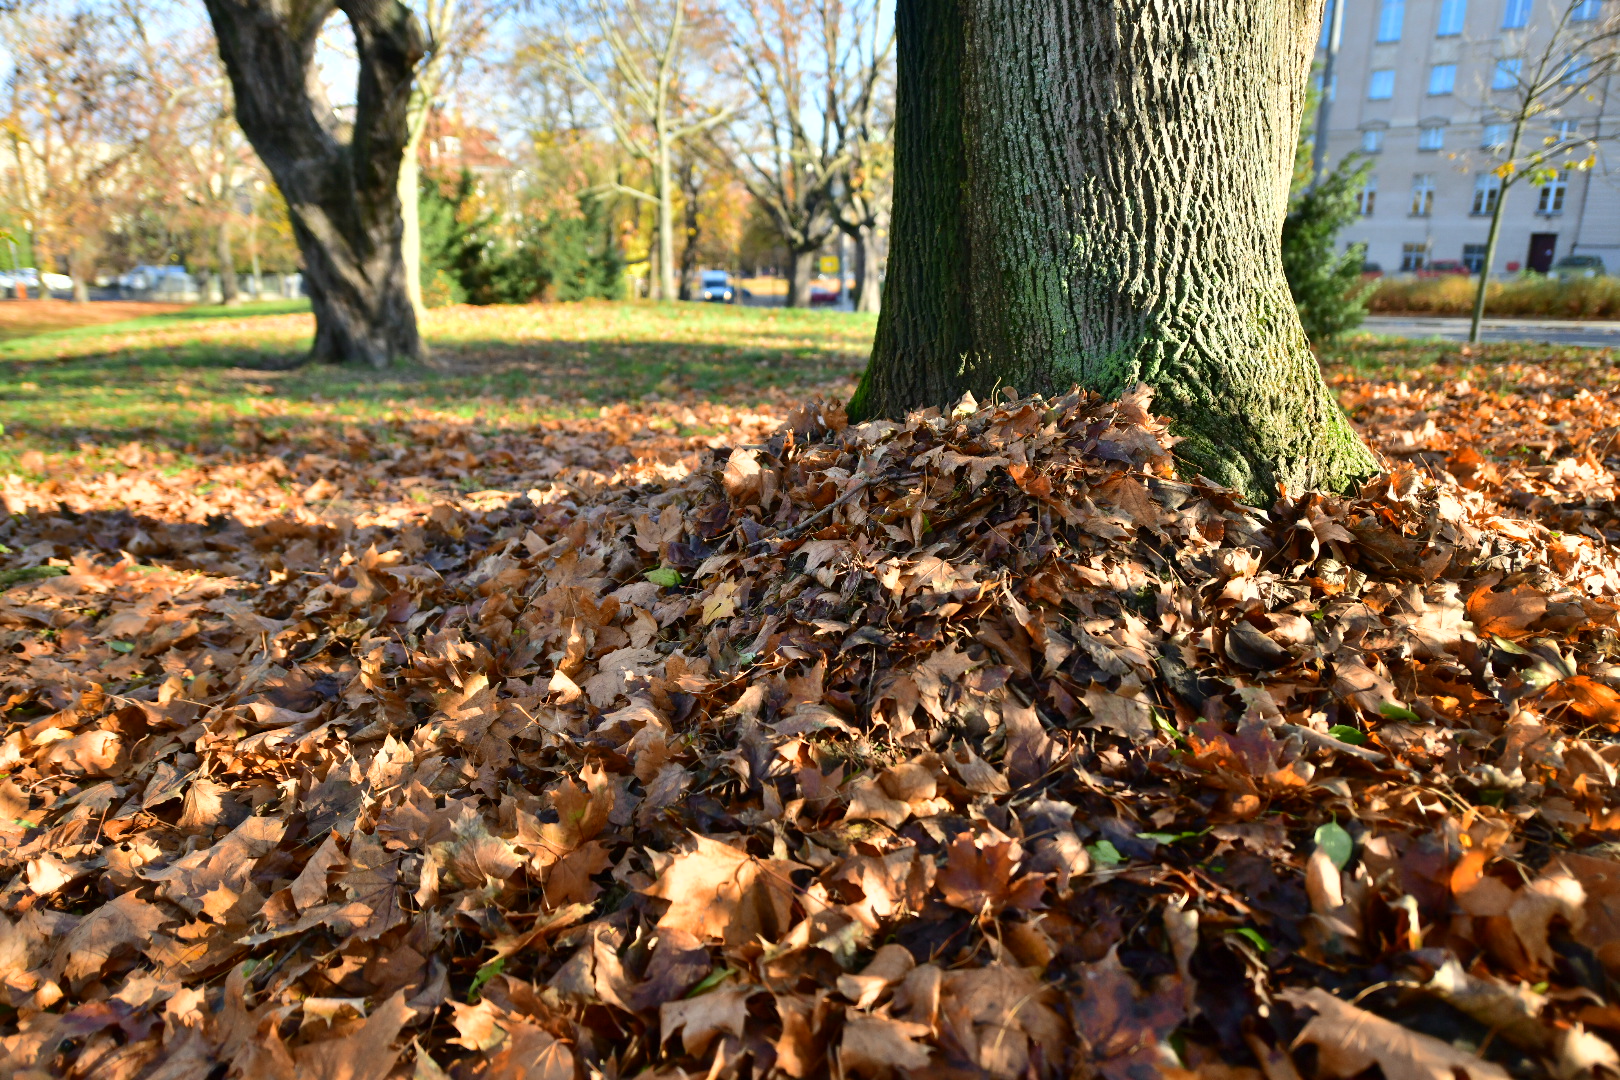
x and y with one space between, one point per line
1092 192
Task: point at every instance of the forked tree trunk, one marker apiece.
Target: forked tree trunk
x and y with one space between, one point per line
340 182
801 274
1092 192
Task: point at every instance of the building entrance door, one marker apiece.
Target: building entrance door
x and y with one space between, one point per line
1542 247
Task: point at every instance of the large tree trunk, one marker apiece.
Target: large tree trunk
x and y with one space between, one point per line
801 273
1092 192
339 181
228 292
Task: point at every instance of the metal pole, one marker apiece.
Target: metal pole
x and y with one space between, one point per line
1325 105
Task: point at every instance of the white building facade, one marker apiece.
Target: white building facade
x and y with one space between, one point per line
1412 89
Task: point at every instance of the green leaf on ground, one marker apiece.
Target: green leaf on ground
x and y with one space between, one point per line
1347 734
480 980
667 576
1335 843
1105 854
1396 712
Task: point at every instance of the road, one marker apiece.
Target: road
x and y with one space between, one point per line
1537 331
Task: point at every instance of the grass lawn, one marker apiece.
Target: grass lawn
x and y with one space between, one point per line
185 378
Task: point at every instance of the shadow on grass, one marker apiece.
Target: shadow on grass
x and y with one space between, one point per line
195 395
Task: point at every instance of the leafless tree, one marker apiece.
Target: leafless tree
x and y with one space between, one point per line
866 125
1537 102
812 69
79 111
635 58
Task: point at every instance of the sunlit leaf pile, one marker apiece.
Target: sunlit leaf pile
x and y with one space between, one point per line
979 745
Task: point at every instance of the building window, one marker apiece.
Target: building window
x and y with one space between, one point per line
1452 15
1566 131
1442 79
1390 16
1495 137
1367 196
1552 194
1422 194
1506 75
1515 14
1372 141
1432 138
1586 11
1414 256
1381 85
1474 258
1487 189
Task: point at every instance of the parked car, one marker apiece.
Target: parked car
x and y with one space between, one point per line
56 282
822 295
718 288
155 280
1444 268
26 276
1574 266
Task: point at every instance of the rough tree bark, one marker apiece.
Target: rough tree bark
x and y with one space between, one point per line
339 180
1092 192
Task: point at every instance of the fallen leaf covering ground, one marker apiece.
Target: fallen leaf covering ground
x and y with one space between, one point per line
19 318
720 740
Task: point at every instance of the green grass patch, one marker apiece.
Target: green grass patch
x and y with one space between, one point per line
191 379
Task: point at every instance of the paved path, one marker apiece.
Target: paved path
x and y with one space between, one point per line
1540 331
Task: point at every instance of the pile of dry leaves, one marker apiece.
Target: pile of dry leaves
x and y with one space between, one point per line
978 745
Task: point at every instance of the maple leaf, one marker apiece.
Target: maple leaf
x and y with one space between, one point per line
123 924
979 876
698 1020
720 894
367 1053
1123 1026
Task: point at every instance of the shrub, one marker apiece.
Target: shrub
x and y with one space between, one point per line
1527 296
559 257
1326 284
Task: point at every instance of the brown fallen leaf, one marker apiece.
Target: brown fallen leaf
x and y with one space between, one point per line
720 894
876 1047
367 1053
699 1020
1350 1040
